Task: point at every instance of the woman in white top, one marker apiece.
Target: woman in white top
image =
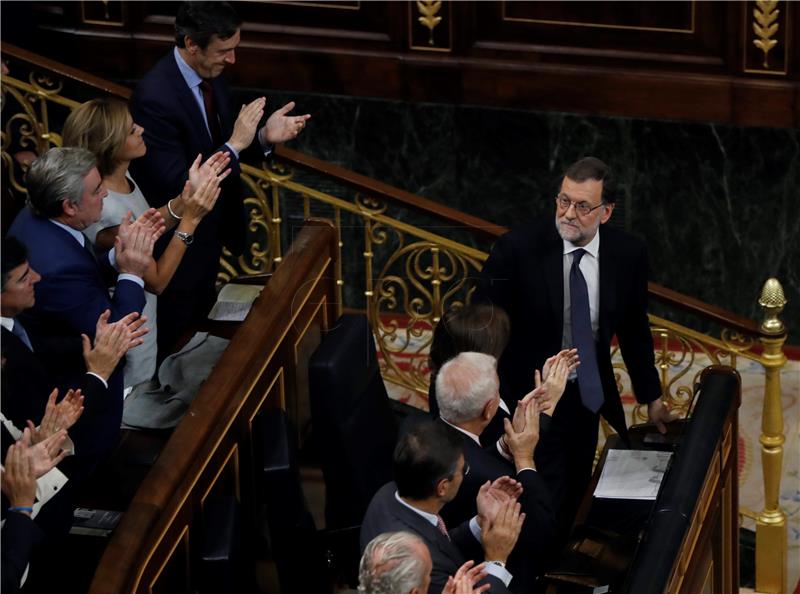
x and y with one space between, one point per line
105 127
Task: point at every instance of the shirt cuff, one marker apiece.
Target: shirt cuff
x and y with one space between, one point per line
503 452
131 277
501 573
105 384
475 529
233 151
526 468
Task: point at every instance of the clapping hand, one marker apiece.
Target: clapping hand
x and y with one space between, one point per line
465 579
46 454
500 536
57 416
281 127
134 241
198 201
213 168
246 124
571 355
492 495
522 433
112 341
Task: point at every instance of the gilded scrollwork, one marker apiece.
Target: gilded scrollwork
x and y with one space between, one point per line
417 282
259 255
679 359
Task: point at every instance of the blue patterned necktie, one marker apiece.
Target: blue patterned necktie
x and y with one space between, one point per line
18 331
582 338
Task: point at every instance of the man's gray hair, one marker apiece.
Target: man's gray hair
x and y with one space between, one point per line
57 176
392 564
464 385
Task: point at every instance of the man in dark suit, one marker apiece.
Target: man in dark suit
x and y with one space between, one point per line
65 196
27 383
185 107
429 468
575 282
467 388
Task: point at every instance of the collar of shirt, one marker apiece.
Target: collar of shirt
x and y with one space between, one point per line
187 72
79 237
593 247
7 323
432 518
472 436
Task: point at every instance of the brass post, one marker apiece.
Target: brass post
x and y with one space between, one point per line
771 533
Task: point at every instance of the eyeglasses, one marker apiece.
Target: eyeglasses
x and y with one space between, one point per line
581 208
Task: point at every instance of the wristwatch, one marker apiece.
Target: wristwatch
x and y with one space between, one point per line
185 237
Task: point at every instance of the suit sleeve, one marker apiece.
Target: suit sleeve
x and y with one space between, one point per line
19 535
97 400
161 174
495 279
635 339
79 303
539 526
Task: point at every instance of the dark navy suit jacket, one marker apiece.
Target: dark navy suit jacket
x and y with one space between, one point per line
386 514
175 133
71 296
486 464
524 276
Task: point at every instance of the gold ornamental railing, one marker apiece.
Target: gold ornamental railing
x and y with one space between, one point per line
405 260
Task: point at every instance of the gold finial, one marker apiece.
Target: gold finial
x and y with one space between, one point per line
772 301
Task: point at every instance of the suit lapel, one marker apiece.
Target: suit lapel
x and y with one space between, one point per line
608 275
189 105
428 532
554 276
223 106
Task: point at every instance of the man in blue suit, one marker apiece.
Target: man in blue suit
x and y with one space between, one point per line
65 196
185 108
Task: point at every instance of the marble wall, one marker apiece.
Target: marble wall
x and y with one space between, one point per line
719 206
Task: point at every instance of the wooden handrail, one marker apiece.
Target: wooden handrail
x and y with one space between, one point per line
703 309
221 409
374 188
80 76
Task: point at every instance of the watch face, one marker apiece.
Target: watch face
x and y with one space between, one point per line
186 238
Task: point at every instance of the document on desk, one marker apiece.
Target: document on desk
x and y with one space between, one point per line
234 302
632 474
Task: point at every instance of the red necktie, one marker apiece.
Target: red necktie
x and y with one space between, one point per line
442 528
211 112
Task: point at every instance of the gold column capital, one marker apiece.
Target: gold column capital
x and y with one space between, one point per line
772 301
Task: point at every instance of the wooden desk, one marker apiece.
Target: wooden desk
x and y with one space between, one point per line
687 540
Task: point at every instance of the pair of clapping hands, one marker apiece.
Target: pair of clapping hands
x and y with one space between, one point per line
522 431
500 519
39 450
112 341
135 239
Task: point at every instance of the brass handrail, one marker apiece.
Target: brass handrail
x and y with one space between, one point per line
416 274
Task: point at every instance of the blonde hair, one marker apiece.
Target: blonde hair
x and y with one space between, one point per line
100 126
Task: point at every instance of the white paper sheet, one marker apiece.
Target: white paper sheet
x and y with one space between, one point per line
632 474
234 302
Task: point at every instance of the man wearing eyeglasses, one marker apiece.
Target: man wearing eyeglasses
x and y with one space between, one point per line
574 282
